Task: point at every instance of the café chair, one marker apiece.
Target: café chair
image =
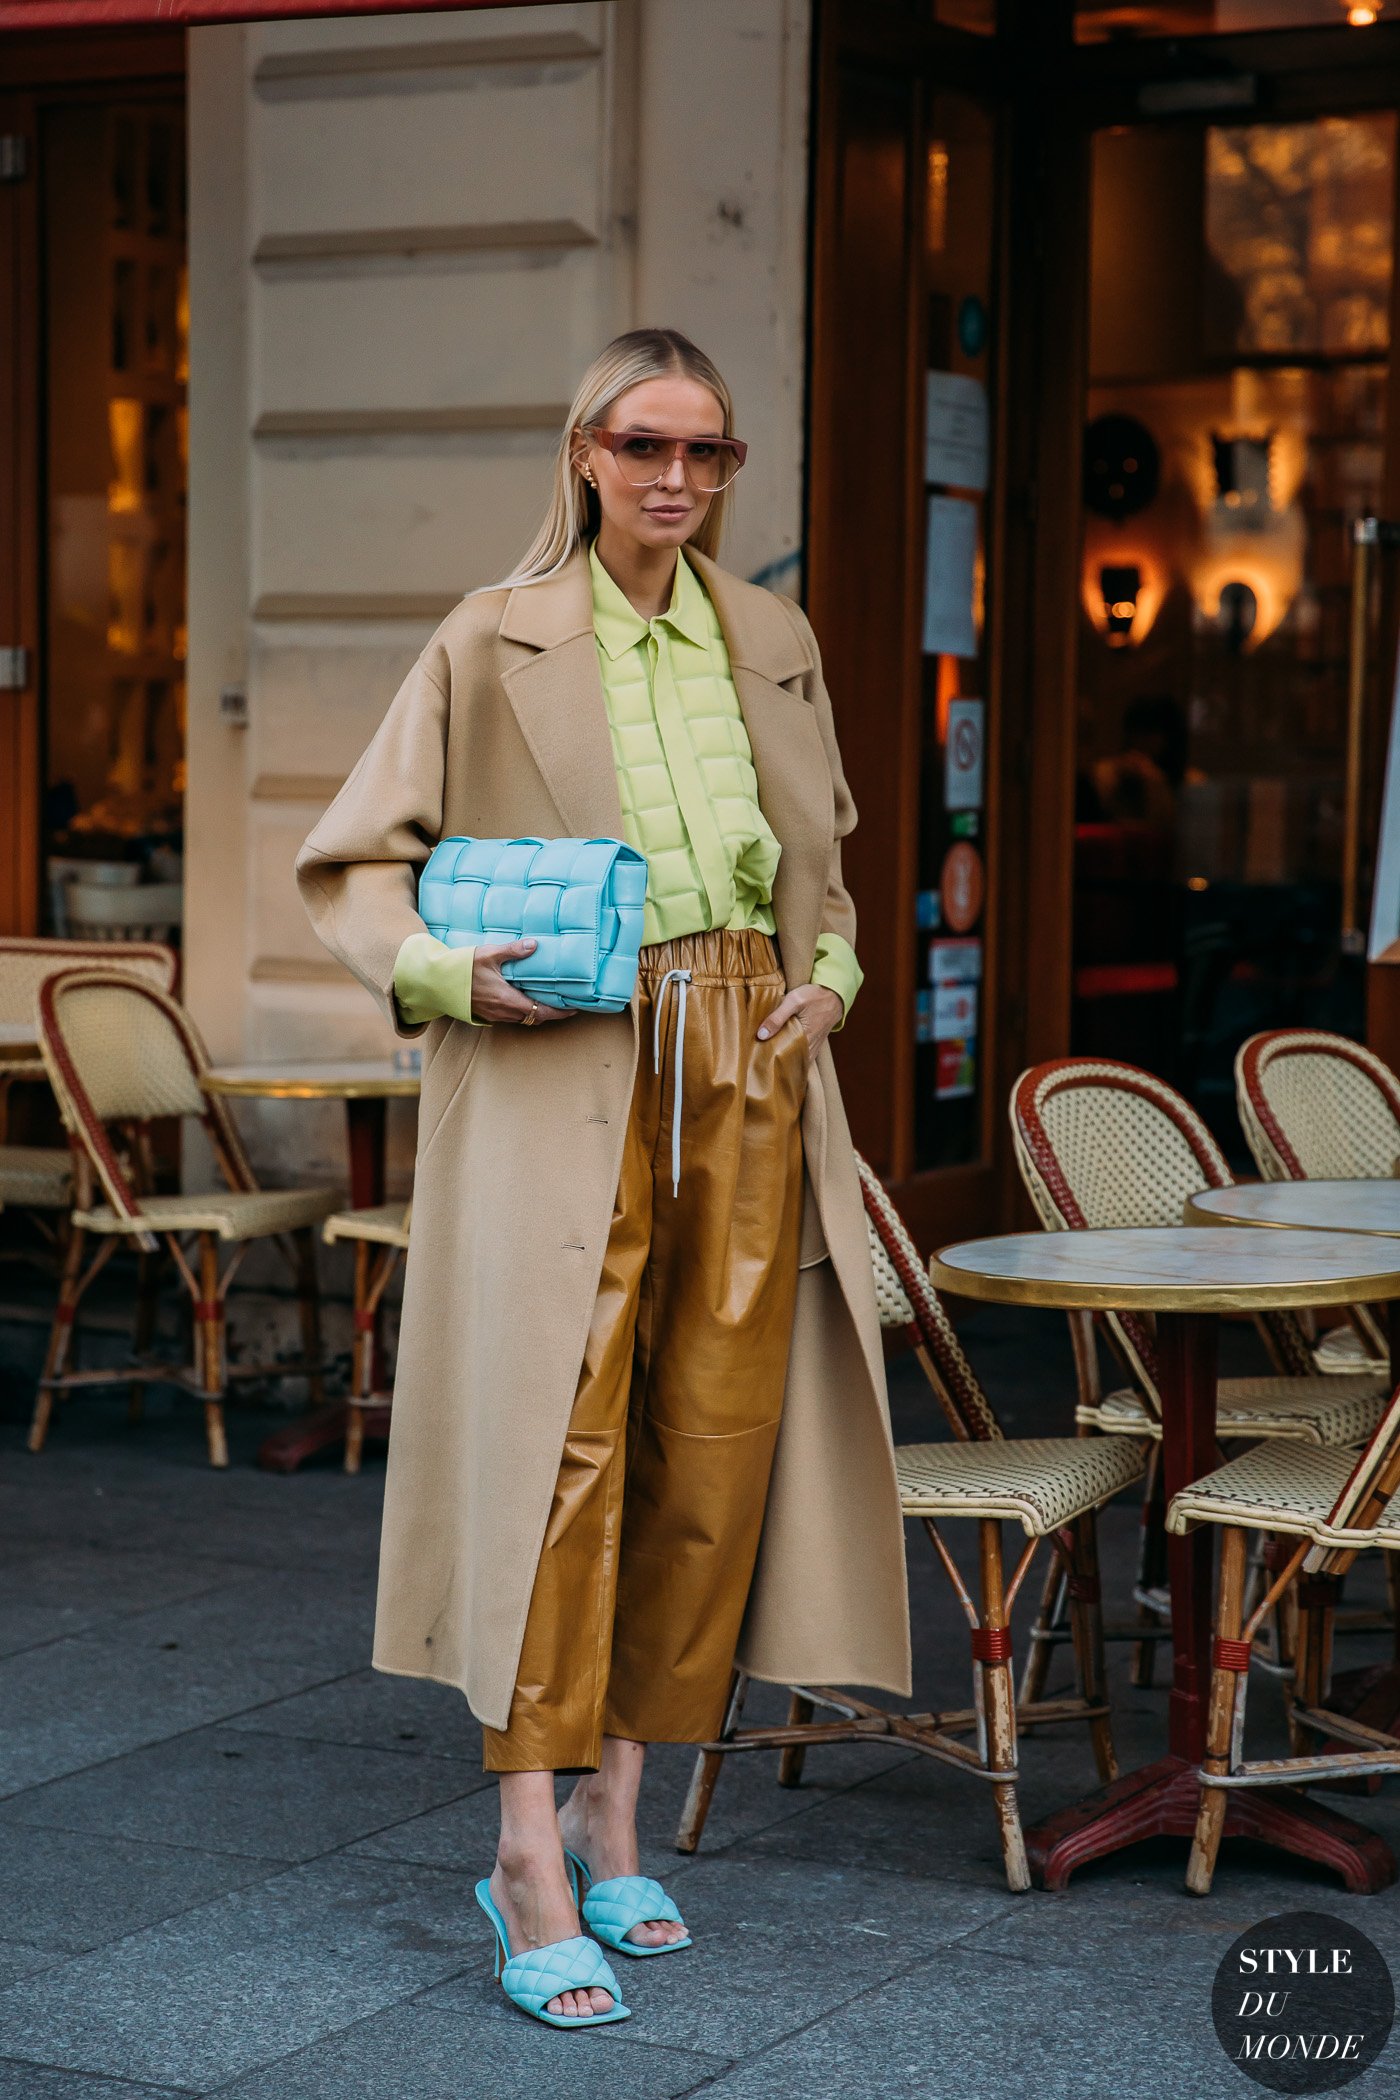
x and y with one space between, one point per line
1101 1143
380 1239
1318 1107
38 1179
1052 1486
1330 1505
121 1052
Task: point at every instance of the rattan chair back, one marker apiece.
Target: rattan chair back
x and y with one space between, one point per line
24 964
1101 1143
908 1301
1316 1106
119 1050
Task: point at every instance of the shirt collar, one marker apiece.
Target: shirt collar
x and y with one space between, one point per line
619 626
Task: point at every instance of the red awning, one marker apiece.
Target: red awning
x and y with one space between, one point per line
181 14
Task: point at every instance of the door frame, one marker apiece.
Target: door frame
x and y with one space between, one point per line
35 71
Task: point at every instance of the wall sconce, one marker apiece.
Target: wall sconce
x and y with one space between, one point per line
1120 583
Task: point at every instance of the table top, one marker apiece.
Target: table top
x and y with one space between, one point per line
1320 1206
341 1079
19 1035
1172 1268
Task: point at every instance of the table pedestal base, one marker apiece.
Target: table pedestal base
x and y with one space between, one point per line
1161 1800
309 1435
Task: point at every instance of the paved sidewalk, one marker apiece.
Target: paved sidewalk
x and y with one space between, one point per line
234 1861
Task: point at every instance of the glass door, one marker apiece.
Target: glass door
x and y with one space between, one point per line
1240 296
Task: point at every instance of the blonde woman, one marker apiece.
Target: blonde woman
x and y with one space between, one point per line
639 1416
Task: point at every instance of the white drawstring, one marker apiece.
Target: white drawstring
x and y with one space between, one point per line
682 977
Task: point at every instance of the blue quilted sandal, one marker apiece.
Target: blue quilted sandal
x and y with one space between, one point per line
612 1908
531 1979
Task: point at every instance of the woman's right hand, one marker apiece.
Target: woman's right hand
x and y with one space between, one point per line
495 998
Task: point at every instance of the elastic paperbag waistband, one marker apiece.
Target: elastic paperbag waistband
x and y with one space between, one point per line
723 956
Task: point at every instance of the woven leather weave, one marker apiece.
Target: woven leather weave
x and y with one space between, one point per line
615 1907
582 900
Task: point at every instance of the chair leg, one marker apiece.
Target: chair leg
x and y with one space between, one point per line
1152 1561
795 1756
1086 1613
706 1772
1048 1619
361 1362
60 1337
1227 1688
1312 1676
991 1650
209 1332
309 1305
143 1327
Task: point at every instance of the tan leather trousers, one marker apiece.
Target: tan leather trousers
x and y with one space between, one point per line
654 1529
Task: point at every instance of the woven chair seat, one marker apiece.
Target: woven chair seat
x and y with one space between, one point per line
1321 1410
1282 1487
1039 1482
383 1224
37 1177
234 1214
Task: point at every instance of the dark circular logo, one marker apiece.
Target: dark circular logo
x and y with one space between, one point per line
1303 2003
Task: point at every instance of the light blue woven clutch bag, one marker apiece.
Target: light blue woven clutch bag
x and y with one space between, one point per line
581 899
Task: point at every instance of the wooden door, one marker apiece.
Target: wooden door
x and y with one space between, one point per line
949 213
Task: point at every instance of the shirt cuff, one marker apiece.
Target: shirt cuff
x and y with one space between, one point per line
432 980
836 967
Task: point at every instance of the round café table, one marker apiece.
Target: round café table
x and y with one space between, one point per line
366 1087
1313 1206
1187 1276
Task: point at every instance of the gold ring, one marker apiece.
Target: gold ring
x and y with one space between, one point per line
532 1017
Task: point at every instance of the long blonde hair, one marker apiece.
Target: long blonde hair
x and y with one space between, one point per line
573 515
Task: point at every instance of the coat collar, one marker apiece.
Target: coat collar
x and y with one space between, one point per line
757 631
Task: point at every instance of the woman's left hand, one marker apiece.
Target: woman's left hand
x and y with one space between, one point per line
815 1005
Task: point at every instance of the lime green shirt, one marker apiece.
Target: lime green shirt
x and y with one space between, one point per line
688 790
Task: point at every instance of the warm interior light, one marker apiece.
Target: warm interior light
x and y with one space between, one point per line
1362 17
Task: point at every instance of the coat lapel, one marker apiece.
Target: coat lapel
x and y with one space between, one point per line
557 694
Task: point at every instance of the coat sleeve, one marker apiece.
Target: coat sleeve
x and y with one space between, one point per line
358 871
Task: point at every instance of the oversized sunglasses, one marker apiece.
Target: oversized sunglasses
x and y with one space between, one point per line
644 456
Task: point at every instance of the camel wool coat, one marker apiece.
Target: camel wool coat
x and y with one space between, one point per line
501 729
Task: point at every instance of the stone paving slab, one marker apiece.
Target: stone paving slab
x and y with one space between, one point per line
74 1702
75 1589
30 2082
963 2025
418 2054
247 1979
70 1892
319 1618
17 1960
370 1711
261 1796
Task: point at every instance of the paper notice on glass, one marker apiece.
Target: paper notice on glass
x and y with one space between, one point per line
955 430
949 571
